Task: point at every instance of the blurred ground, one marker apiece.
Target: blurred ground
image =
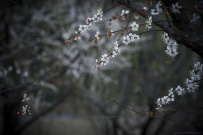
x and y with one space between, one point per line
60 126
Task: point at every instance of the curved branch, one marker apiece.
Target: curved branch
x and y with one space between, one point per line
181 31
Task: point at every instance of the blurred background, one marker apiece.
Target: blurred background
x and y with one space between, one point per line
68 96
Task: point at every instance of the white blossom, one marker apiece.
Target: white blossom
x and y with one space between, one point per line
104 59
170 91
159 101
165 100
97 35
194 17
112 33
172 45
149 23
126 40
82 28
171 96
77 36
116 49
130 38
180 90
198 66
124 14
157 9
135 38
171 52
136 15
159 107
134 26
176 8
88 20
145 8
154 11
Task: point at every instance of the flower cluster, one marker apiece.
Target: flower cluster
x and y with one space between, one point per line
157 9
83 28
176 8
195 76
97 17
89 21
149 23
130 38
190 86
105 57
165 99
172 45
121 18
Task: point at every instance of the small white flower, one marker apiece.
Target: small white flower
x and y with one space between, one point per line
88 20
159 108
135 38
170 91
124 14
149 23
116 49
95 18
195 75
176 8
171 52
171 96
100 12
191 85
134 26
77 36
126 40
159 101
154 11
194 17
112 33
198 66
180 90
104 59
82 28
145 8
136 15
97 35
130 38
165 36
188 82
157 9
165 100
